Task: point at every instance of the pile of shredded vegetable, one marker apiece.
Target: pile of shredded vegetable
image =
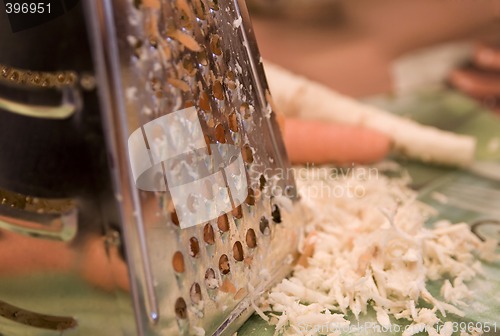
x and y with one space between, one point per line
367 249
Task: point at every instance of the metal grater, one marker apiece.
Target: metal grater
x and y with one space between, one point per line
153 60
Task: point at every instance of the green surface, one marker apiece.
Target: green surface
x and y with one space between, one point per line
449 111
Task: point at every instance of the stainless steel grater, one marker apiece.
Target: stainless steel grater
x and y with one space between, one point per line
158 68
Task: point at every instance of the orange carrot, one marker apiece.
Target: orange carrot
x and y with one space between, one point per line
309 141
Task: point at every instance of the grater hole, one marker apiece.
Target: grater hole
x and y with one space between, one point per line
215 44
227 56
184 20
207 141
238 251
237 212
202 58
205 102
207 190
220 134
250 200
224 264
262 182
195 293
264 225
192 203
178 262
213 4
231 85
227 286
194 247
230 75
230 78
208 234
276 214
245 110
251 238
210 280
187 63
200 9
218 90
233 122
247 154
223 223
211 122
174 218
181 309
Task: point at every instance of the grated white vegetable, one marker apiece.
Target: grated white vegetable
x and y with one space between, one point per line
198 331
372 249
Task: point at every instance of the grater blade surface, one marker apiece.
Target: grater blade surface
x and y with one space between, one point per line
161 58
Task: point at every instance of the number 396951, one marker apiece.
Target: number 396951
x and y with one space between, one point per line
27 8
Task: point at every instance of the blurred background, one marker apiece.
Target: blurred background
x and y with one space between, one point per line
364 47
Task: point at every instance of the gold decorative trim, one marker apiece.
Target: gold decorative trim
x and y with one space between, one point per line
35 204
37 78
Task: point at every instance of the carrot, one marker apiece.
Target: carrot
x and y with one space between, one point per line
309 141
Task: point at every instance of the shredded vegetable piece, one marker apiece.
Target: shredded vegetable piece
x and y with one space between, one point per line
372 249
